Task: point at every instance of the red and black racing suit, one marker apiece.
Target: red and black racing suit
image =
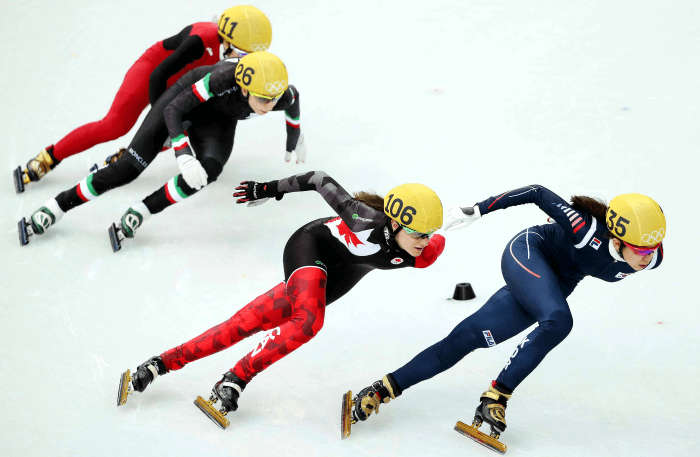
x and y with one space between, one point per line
323 260
157 69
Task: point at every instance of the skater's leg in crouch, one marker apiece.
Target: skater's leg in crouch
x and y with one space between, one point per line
542 294
212 140
130 101
499 318
306 289
265 312
533 294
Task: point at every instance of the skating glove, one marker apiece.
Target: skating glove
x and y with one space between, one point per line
195 175
256 193
300 150
458 218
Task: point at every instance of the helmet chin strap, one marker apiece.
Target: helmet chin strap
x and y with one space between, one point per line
615 253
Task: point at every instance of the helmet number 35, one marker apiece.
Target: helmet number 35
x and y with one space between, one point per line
617 223
244 74
395 207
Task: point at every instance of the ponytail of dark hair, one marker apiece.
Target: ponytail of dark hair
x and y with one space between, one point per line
370 199
593 206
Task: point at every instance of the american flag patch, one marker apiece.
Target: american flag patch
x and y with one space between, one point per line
595 243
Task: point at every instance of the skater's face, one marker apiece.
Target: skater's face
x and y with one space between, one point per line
260 105
410 243
231 52
634 260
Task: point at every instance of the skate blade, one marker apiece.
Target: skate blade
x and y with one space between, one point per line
346 415
124 387
481 438
23 232
21 178
212 413
114 238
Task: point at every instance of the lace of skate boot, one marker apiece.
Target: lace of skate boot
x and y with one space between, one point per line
228 390
41 164
130 221
369 398
42 219
495 403
147 372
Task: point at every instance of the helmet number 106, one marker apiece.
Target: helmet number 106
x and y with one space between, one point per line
395 207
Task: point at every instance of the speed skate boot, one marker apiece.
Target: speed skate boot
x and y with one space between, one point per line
36 168
491 410
39 221
138 381
227 390
127 225
110 159
367 400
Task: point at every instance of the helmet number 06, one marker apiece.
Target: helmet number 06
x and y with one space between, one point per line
244 73
619 226
394 206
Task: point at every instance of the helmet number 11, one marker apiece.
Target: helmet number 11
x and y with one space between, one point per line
618 226
223 27
395 207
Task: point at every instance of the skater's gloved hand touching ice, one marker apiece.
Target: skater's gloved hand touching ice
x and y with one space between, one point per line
299 148
256 193
457 218
192 171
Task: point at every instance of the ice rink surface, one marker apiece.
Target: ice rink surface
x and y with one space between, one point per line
471 98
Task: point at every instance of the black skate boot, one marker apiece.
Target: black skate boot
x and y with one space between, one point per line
127 225
227 390
361 406
491 410
144 375
40 221
37 168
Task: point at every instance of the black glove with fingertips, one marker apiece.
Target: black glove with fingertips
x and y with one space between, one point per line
250 191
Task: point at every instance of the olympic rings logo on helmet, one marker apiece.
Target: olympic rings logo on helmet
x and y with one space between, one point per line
655 237
275 87
259 47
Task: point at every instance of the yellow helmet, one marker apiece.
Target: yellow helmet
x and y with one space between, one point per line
414 206
636 219
263 74
246 27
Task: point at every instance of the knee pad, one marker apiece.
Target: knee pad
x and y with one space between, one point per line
114 175
212 167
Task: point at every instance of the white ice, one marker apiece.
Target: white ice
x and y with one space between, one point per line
472 98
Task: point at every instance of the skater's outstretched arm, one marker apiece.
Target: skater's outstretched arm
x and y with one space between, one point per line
357 215
575 223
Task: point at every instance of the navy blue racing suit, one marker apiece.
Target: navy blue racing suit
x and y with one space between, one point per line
541 266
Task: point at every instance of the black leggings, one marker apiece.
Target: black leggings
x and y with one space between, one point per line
211 137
